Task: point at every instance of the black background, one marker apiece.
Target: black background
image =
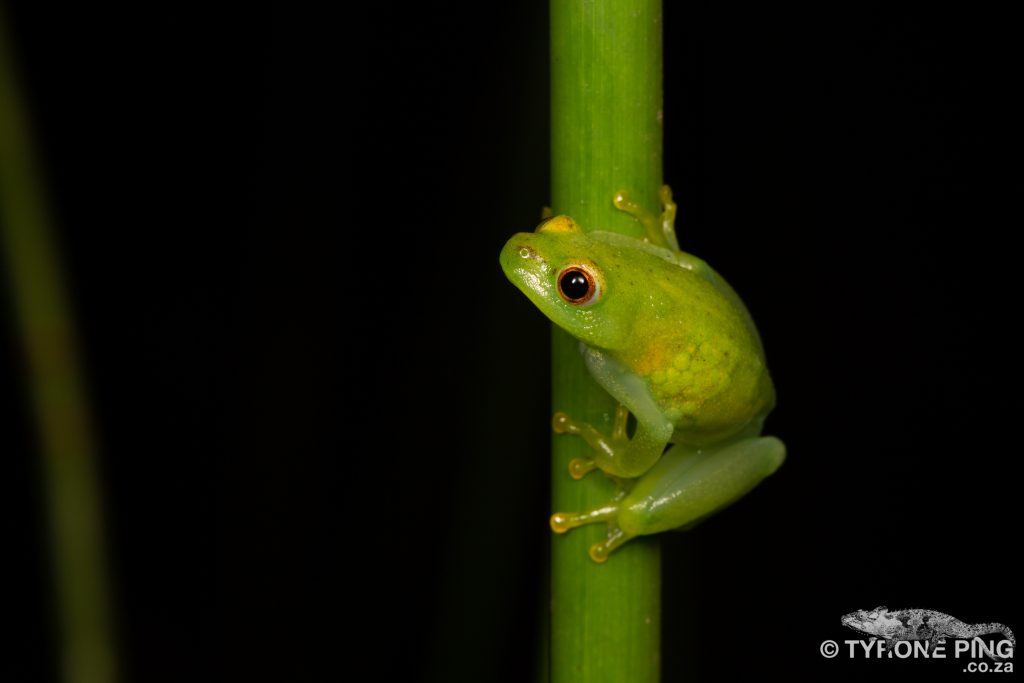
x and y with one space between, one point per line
324 411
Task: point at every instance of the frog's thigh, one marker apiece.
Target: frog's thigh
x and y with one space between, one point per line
685 486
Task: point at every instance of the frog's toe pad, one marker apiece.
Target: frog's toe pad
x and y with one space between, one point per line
579 467
561 522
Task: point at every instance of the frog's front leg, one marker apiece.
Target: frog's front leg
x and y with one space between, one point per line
661 230
685 486
601 445
618 456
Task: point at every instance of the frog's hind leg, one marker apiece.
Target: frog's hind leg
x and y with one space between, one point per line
564 521
661 230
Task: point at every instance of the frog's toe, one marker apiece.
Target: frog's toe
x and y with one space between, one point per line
563 424
563 521
624 202
599 552
665 194
579 467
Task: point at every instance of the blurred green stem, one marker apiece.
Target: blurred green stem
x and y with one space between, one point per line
65 433
606 95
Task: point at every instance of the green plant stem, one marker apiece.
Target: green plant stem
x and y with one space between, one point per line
65 433
606 96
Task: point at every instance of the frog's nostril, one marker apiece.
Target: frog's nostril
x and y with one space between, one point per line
526 252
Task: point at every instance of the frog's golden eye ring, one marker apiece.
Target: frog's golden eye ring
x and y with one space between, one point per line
578 286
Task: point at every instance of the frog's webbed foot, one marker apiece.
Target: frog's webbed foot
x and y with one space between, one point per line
661 230
602 445
564 521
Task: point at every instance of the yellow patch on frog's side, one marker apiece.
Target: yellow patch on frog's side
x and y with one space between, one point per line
690 377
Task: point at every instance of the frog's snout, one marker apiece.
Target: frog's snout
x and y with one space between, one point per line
518 255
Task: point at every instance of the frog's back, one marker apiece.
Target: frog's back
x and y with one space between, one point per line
700 353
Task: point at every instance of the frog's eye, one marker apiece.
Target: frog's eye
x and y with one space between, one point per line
578 286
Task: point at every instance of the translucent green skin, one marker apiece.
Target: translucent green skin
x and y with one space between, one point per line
666 336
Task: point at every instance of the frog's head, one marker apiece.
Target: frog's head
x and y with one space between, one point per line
571 280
